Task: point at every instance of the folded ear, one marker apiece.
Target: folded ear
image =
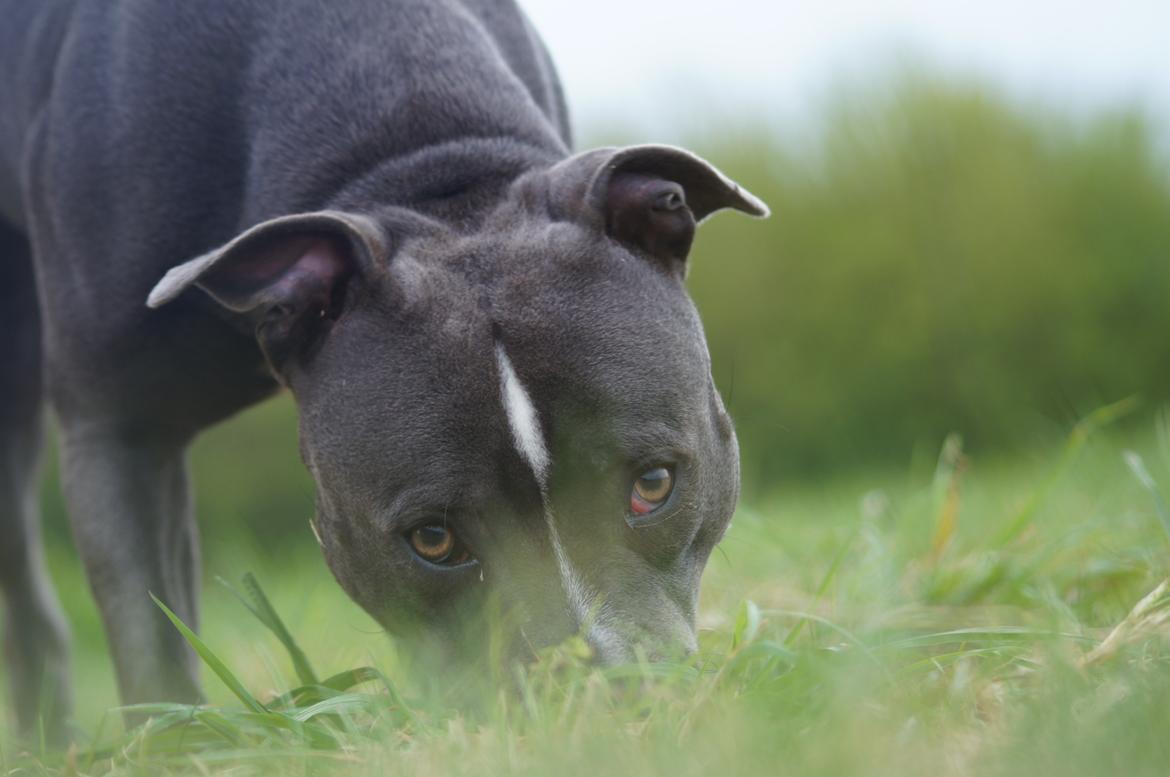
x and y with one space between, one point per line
282 273
648 197
298 258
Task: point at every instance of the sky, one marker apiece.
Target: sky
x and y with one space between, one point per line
657 64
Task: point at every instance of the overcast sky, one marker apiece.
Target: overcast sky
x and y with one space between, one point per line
651 62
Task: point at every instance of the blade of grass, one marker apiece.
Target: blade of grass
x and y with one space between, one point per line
826 581
1082 431
260 606
1138 467
220 725
747 624
212 660
395 696
1149 614
997 636
844 632
338 683
948 475
344 702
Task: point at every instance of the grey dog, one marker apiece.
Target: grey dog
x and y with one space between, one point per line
504 391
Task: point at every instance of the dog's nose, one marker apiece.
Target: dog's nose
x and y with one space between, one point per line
610 648
606 651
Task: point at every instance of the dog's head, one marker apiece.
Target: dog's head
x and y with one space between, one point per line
517 418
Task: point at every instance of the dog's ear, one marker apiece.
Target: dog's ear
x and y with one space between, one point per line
296 261
648 197
284 275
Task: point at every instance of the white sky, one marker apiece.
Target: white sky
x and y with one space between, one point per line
655 63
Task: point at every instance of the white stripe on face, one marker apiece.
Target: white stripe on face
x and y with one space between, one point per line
529 441
522 418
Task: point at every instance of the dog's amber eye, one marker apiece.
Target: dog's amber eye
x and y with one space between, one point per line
651 490
437 544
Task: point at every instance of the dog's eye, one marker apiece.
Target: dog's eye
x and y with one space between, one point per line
651 490
437 544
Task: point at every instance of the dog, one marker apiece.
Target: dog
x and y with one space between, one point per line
503 388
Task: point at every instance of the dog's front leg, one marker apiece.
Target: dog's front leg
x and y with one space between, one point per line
35 635
131 513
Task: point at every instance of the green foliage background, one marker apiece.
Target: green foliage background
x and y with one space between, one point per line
940 258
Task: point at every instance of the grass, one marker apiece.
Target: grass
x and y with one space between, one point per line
980 617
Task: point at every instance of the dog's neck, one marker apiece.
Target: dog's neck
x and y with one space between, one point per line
456 182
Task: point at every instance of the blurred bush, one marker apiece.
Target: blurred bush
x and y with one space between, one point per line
940 258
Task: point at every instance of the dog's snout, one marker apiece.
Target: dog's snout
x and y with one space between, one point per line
612 646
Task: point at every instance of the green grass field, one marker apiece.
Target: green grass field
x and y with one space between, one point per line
966 616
